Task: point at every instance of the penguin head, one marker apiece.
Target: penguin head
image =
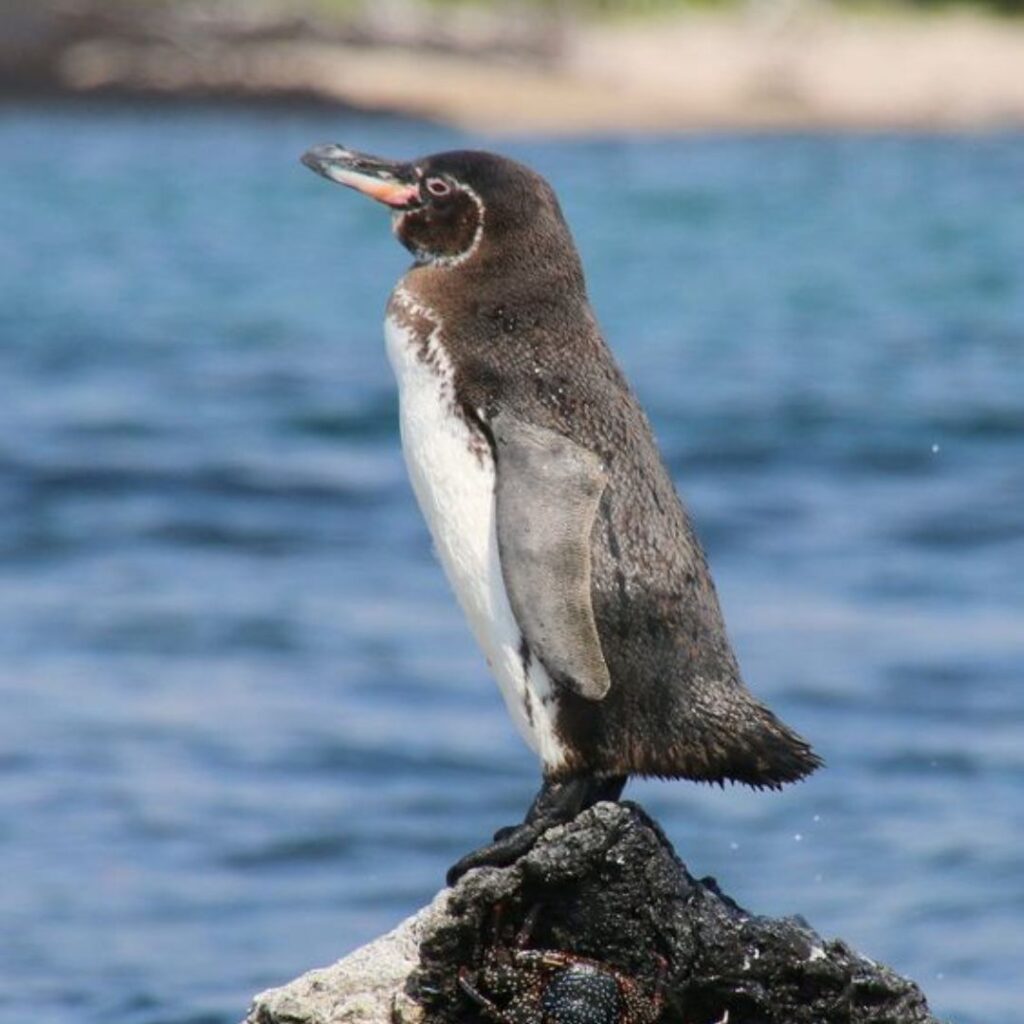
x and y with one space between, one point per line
455 208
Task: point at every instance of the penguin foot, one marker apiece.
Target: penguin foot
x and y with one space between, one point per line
514 842
555 804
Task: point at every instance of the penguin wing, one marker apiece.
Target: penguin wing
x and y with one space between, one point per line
547 492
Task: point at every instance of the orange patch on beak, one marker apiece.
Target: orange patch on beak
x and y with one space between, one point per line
393 193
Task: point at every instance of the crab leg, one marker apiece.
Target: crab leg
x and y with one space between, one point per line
659 985
480 999
529 923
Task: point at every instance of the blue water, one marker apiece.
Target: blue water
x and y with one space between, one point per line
243 725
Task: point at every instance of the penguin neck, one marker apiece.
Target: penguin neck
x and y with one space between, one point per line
512 278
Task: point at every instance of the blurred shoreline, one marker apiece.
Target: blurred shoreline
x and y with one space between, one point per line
774 65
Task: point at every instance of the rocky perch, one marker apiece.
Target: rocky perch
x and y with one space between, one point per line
608 887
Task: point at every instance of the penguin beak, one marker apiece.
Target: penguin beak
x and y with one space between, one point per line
386 181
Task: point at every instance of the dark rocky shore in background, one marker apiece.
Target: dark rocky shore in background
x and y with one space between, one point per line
610 888
517 68
226 48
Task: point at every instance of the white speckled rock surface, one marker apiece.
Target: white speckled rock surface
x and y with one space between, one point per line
365 987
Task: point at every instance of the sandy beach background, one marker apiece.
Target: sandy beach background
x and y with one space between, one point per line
530 68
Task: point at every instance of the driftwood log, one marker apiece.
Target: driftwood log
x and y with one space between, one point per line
608 887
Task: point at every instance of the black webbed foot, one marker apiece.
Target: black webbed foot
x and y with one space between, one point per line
516 841
555 804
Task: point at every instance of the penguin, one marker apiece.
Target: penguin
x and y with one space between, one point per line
551 510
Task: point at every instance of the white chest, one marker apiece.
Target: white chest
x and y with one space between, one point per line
452 474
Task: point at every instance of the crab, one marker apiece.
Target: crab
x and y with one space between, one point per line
546 986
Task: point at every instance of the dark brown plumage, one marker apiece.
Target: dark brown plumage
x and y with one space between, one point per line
522 336
496 264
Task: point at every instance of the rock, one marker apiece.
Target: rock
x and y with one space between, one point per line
608 887
367 986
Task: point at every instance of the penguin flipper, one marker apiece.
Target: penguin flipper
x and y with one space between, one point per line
547 493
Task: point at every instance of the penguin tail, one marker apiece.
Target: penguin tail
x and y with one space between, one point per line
774 755
741 742
764 752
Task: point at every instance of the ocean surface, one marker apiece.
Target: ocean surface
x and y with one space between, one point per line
243 726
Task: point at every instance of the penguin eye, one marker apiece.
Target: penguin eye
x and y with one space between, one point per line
438 187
